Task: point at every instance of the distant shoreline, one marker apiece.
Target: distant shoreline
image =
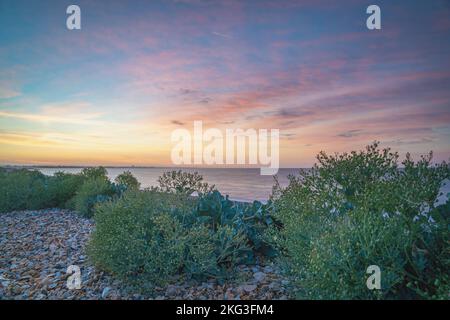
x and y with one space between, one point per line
132 167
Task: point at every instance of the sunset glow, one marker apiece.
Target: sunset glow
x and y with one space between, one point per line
113 92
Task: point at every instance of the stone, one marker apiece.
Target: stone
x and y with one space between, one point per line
171 290
249 287
259 276
275 286
46 281
105 292
268 269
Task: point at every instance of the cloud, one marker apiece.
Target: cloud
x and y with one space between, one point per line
350 133
187 91
223 35
8 93
402 142
9 86
288 136
178 123
83 120
292 113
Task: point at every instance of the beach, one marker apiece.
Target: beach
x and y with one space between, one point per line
39 246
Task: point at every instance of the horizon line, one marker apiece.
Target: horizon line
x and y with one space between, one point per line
133 166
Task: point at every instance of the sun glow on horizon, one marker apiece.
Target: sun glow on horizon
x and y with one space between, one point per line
113 92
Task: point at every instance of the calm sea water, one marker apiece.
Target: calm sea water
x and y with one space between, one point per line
239 184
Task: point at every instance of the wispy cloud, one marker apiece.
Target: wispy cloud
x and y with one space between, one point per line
7 93
350 133
83 120
178 123
223 35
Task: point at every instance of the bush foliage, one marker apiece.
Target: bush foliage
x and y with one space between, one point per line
63 187
92 192
183 183
31 190
142 237
153 235
94 173
358 209
128 180
23 189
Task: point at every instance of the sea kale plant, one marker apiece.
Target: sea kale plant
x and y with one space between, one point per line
151 238
251 220
357 209
154 236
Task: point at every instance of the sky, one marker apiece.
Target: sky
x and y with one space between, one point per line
113 92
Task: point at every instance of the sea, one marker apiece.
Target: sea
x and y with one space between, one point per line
241 184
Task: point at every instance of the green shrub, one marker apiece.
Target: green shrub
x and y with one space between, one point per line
139 237
63 187
30 189
23 189
154 236
183 182
338 259
127 179
92 192
95 173
359 209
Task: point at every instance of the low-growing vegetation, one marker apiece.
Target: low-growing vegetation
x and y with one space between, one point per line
359 209
63 187
128 180
24 189
31 190
183 183
153 236
92 192
349 212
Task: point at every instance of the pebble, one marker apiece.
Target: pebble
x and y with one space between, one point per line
105 292
259 276
249 287
171 290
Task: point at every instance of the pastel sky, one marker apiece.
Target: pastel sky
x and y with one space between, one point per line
113 92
